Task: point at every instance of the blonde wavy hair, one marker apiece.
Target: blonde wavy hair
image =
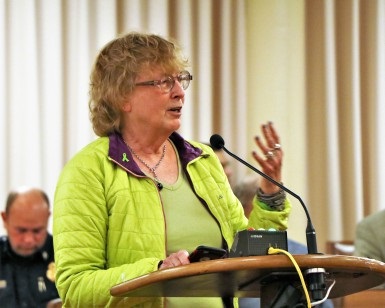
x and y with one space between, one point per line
116 69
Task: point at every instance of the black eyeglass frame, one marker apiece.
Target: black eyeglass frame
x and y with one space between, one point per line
166 84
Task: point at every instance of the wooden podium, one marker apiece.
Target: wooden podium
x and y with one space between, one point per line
253 277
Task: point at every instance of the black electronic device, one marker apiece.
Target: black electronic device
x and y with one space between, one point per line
205 253
257 242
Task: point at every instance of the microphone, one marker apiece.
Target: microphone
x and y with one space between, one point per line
316 275
218 143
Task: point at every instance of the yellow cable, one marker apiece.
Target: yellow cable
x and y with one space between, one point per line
273 251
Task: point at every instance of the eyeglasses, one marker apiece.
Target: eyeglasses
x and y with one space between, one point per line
165 85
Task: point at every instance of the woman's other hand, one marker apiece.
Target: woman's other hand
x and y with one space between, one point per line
271 161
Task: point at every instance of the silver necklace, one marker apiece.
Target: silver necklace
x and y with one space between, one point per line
152 169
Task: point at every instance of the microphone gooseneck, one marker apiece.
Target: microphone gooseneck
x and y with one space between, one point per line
218 143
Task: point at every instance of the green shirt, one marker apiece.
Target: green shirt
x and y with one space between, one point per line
188 225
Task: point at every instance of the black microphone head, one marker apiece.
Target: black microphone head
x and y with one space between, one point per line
217 142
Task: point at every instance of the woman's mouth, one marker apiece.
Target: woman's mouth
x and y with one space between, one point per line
176 109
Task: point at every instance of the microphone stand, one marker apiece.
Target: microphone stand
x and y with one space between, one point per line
316 278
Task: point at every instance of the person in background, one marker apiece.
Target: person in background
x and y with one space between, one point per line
245 190
27 271
370 237
141 197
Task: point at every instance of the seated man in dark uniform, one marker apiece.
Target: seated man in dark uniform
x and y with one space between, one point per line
27 269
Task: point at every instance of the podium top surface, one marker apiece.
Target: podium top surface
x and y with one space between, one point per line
245 276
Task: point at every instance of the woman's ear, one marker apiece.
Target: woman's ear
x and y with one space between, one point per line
126 106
